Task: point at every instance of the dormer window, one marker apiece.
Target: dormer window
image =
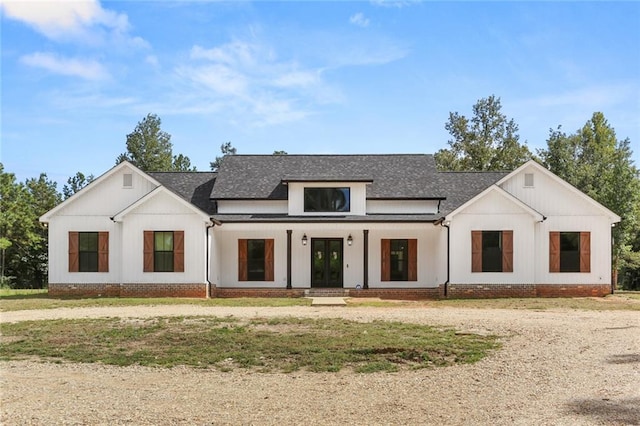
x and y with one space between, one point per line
327 200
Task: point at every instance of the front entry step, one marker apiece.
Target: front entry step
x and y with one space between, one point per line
328 301
326 292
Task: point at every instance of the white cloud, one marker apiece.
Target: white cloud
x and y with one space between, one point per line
85 21
394 3
86 69
359 20
297 79
217 77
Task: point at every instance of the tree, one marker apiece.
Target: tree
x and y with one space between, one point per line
75 184
597 163
150 149
22 239
487 141
280 153
226 149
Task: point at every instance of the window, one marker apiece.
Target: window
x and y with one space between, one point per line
491 251
88 252
569 252
163 251
399 261
327 200
255 260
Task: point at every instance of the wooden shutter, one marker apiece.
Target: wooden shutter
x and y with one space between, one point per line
554 251
148 251
103 252
507 251
476 251
243 272
385 257
585 252
178 251
74 254
268 260
413 260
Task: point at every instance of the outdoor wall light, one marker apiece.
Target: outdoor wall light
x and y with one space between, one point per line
349 240
304 240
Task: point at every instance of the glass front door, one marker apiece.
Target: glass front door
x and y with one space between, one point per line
326 262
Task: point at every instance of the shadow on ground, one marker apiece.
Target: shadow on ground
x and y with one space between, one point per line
608 411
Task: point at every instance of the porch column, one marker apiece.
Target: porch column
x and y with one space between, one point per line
365 272
289 231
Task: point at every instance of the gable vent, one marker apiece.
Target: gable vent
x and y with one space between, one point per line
528 180
127 180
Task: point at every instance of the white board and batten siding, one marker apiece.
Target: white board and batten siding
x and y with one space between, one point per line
252 206
402 206
493 212
162 213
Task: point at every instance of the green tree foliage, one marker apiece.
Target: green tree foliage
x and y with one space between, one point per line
487 141
150 149
596 162
226 149
22 239
280 153
75 184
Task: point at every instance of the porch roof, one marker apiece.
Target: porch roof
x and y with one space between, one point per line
284 218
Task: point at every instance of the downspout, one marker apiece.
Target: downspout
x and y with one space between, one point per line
209 283
446 283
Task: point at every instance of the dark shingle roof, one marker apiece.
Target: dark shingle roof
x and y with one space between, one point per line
194 187
460 187
393 176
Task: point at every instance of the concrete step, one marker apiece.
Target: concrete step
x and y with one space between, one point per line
328 301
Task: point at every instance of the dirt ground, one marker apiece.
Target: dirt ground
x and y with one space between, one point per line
558 367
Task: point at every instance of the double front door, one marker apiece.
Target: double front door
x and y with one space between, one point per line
326 262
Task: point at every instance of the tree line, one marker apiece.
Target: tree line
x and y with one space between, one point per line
591 158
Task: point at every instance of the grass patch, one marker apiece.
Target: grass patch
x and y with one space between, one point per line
17 300
266 345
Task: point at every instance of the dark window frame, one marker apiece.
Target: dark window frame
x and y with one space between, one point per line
569 251
163 258
491 251
399 259
256 263
327 199
88 258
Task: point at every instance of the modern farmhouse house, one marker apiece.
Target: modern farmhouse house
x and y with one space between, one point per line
364 225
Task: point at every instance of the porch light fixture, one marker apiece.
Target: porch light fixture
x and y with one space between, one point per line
349 240
304 240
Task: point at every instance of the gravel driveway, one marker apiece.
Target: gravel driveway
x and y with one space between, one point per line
555 368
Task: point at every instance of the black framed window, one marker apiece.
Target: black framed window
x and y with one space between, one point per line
327 199
88 251
255 260
399 260
569 251
491 251
163 251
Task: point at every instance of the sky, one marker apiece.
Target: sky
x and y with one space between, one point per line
326 77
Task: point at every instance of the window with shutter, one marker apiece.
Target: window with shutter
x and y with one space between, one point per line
492 251
255 260
163 251
399 260
569 251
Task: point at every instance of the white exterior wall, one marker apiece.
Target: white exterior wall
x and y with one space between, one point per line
402 207
431 262
162 213
358 193
59 228
252 206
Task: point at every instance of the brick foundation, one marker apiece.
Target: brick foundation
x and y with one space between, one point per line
493 291
454 291
256 292
128 290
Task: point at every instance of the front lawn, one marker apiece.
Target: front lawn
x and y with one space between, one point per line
265 345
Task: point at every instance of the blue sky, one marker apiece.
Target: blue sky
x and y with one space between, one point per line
304 77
